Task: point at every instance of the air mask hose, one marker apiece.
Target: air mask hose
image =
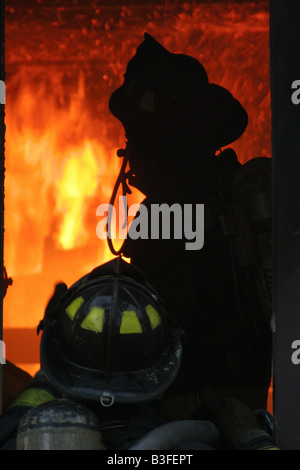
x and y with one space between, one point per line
170 435
121 180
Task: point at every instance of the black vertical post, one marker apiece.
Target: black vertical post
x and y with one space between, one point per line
285 103
2 138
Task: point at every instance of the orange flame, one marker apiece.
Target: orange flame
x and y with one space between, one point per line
79 181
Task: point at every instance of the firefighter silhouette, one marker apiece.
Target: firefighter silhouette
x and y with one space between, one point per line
176 122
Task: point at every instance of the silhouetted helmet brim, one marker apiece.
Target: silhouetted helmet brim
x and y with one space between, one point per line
181 93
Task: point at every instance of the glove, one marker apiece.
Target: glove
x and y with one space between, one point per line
232 417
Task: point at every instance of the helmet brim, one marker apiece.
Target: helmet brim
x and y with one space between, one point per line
222 116
225 118
123 387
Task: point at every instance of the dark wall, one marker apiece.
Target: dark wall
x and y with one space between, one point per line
285 69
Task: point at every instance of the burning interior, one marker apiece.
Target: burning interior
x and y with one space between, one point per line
63 61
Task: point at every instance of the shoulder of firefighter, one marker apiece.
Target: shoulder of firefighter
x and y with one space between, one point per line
245 214
38 391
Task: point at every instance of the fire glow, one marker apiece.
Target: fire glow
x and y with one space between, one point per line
62 65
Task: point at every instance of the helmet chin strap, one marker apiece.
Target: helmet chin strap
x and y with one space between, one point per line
122 179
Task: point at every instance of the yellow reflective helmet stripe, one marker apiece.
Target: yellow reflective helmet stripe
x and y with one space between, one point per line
74 306
94 320
270 447
153 316
32 397
130 323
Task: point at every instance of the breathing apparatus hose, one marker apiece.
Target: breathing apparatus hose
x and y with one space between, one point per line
168 436
121 180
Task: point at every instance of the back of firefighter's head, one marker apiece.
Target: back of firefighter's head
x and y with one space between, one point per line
166 101
110 339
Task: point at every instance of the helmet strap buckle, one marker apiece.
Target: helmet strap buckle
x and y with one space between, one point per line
107 399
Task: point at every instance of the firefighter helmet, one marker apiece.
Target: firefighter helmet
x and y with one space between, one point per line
169 95
111 338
